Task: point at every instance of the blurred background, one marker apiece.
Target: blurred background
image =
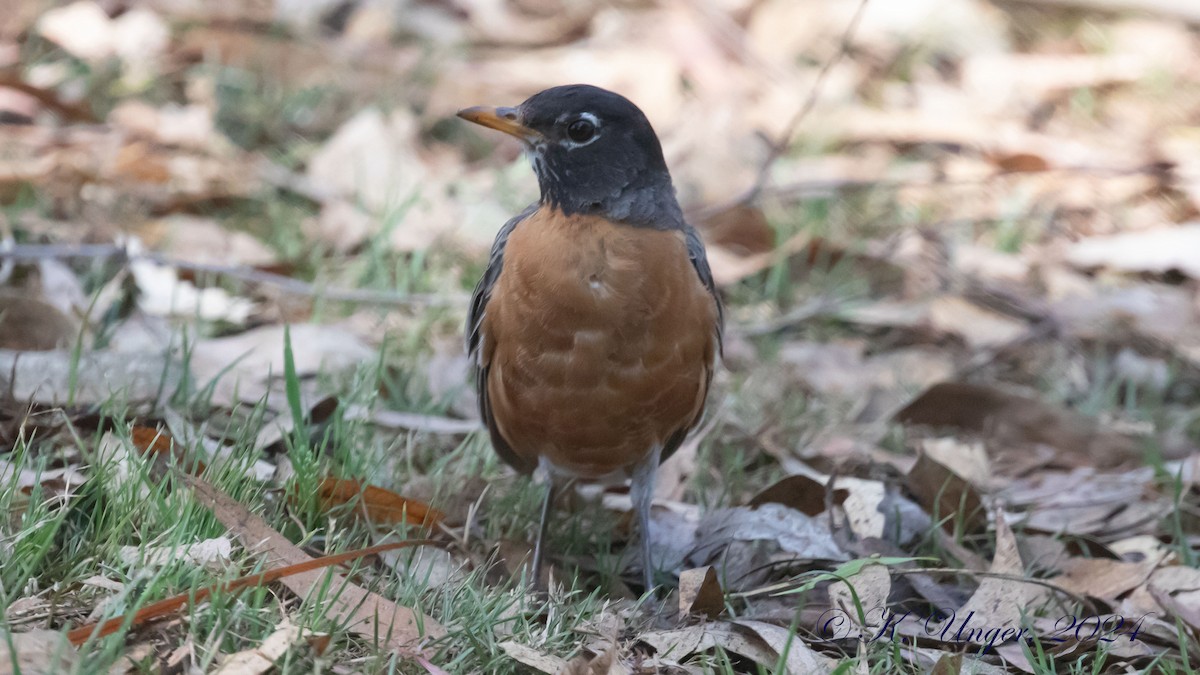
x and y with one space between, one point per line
996 199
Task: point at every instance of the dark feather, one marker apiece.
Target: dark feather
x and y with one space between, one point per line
475 314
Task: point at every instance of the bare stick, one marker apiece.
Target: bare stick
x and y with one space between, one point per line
247 274
781 145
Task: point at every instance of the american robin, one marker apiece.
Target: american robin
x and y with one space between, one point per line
596 326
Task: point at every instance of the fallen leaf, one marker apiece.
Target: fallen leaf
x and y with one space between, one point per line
91 377
368 614
28 324
182 126
946 496
739 540
1102 578
1003 601
802 493
36 652
205 241
1009 418
431 567
372 159
244 365
163 293
212 554
138 37
978 327
434 424
81 28
533 658
798 657
1085 502
970 460
998 80
1166 316
741 229
744 640
381 506
1154 251
871 586
262 658
700 593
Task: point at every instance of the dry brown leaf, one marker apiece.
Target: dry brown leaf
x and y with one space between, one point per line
434 424
1008 418
504 22
798 657
803 493
1000 80
381 506
120 171
533 658
871 585
262 658
740 229
1172 9
1165 316
760 642
700 593
980 328
206 241
132 659
1086 502
725 536
57 377
946 495
864 505
1157 251
431 567
368 614
182 126
29 324
247 363
36 652
970 460
164 293
212 554
342 226
1179 586
1103 578
1001 602
606 662
372 159
21 478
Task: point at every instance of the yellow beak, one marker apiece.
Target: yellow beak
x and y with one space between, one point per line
507 120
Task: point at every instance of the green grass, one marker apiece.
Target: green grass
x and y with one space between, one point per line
52 546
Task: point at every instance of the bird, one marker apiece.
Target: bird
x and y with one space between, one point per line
596 327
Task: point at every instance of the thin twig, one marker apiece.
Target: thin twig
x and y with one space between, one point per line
10 79
784 141
247 274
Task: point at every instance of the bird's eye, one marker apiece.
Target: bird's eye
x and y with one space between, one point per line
581 131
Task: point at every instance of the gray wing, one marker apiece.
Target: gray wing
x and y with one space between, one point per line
695 248
474 337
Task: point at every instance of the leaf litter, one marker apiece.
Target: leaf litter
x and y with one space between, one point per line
972 264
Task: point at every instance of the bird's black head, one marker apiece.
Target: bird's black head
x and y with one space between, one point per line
594 152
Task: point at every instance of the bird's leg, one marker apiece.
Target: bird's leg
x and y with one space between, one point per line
539 546
641 491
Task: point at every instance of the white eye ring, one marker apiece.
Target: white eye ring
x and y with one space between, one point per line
586 116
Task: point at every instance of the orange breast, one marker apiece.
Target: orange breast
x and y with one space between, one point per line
600 340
